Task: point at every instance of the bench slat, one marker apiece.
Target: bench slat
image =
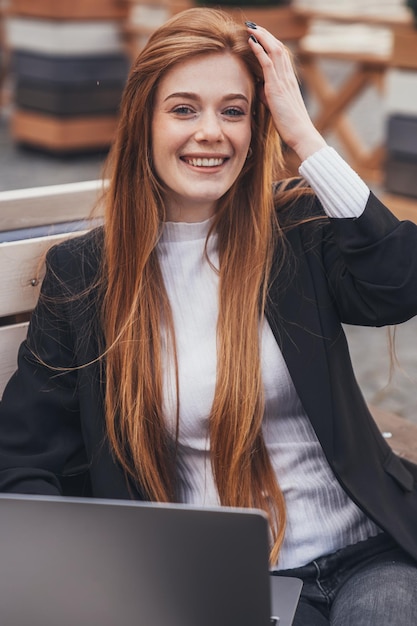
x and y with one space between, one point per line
39 206
20 265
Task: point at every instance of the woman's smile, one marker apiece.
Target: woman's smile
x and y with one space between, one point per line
204 161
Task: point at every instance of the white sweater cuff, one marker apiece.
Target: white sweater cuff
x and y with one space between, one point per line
340 190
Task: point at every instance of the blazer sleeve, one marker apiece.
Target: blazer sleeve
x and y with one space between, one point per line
371 265
40 433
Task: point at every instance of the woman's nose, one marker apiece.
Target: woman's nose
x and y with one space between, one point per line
209 128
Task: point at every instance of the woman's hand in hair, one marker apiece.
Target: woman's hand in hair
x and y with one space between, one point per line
281 94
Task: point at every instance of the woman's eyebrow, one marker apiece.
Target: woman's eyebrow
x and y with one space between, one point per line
182 94
193 96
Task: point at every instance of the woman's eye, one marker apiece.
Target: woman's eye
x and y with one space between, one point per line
234 112
183 110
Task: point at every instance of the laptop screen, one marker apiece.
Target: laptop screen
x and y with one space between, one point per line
99 562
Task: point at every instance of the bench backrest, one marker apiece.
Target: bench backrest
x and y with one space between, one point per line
37 213
21 274
50 205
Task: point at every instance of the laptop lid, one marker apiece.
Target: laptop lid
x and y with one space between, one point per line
93 562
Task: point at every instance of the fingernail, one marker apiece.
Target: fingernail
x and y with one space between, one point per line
251 25
253 39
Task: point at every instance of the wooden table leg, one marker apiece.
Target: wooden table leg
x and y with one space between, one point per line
334 104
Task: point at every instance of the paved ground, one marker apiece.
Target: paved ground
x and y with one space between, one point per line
394 390
369 347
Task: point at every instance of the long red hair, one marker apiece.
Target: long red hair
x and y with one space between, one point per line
136 307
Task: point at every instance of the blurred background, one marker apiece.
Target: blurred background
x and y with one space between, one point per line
63 64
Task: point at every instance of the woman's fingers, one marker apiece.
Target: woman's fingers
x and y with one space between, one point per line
275 60
282 93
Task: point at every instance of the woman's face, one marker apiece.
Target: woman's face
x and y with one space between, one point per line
201 131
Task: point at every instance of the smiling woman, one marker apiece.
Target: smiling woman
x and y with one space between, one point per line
192 348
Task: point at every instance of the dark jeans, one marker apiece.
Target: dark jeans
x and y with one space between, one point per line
372 583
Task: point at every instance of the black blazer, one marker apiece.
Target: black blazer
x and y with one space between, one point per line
355 271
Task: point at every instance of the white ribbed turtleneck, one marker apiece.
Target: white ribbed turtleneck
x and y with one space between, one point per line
321 518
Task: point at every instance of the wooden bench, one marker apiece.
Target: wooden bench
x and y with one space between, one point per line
21 277
31 221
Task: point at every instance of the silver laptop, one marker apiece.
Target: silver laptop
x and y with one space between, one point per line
89 562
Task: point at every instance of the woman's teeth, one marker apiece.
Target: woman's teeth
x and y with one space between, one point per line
205 162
